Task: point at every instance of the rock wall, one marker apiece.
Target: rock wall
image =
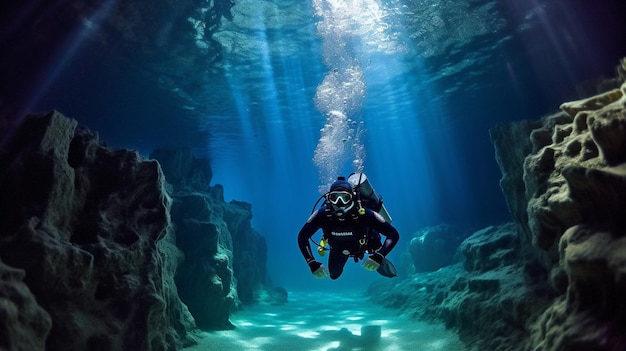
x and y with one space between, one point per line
86 245
205 277
24 324
225 258
97 250
573 192
555 278
577 185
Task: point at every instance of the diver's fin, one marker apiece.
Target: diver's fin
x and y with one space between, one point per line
387 269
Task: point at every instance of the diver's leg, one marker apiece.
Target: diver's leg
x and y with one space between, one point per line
336 262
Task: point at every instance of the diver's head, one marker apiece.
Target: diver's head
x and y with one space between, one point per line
340 197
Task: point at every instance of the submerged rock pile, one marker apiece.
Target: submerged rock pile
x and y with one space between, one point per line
555 278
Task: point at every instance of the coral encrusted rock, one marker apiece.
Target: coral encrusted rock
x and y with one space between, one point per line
87 230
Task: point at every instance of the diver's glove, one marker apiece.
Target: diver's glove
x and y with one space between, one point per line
318 270
374 261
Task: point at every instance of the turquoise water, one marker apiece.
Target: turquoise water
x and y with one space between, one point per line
327 321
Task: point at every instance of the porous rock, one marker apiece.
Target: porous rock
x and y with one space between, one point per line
554 279
576 185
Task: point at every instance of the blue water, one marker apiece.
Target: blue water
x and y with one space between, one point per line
434 77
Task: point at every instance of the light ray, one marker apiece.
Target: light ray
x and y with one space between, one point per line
70 48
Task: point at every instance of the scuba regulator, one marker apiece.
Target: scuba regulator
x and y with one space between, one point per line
321 250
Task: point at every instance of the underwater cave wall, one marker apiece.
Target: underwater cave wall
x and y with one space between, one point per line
99 252
86 247
225 258
575 179
555 277
567 197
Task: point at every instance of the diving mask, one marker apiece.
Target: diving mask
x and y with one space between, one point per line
340 198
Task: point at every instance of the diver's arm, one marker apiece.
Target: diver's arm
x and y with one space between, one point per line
308 229
391 239
385 228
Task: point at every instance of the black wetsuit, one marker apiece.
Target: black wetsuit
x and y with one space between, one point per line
352 236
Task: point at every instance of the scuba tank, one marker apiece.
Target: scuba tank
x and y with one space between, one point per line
368 195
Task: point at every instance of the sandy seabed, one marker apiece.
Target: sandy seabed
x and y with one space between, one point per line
319 321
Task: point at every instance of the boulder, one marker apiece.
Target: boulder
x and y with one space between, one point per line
434 247
490 248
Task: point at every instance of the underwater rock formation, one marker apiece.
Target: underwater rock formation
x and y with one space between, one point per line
90 245
577 183
574 186
205 277
489 293
24 324
555 278
273 296
511 162
184 171
434 247
87 246
225 257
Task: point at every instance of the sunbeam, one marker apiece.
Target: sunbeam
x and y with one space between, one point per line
70 47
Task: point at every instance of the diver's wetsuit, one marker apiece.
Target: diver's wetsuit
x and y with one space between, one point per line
351 236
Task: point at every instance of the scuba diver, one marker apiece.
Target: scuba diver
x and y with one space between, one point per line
352 217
